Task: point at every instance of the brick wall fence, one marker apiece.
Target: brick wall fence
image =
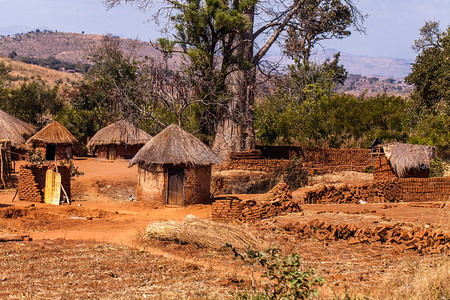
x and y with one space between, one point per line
311 160
32 181
424 189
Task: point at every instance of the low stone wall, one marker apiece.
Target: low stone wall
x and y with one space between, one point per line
275 202
32 181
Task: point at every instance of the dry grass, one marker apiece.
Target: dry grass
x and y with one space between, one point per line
428 279
24 72
203 234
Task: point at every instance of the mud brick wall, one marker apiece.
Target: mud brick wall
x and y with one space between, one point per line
197 185
419 239
151 186
266 165
276 202
383 170
316 160
336 156
424 189
32 181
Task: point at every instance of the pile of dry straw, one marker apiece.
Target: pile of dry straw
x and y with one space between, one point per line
203 234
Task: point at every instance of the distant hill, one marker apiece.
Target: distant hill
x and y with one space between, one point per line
370 74
370 66
22 72
68 47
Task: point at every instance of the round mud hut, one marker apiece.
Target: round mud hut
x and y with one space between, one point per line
118 140
54 141
174 169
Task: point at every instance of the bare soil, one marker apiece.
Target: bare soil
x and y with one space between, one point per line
91 249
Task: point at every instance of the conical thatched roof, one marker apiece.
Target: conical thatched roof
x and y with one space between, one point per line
53 133
404 157
121 132
13 129
174 146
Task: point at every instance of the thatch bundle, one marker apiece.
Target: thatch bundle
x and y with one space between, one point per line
174 146
54 133
404 157
120 132
14 129
203 234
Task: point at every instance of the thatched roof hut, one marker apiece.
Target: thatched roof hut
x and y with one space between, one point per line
174 169
14 129
53 140
120 132
406 158
54 133
120 139
174 146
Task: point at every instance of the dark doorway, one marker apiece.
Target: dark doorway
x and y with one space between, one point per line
112 152
175 189
50 152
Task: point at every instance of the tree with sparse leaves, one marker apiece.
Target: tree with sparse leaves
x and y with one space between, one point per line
228 40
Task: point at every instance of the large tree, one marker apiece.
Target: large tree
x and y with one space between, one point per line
430 72
244 31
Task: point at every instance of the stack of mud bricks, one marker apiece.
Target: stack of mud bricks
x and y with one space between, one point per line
344 194
321 161
425 189
420 239
277 201
32 181
253 161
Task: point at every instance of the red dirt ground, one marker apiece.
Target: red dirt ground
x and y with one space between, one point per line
103 212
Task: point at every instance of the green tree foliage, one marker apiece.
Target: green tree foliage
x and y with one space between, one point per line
34 102
430 73
318 20
429 116
239 34
330 120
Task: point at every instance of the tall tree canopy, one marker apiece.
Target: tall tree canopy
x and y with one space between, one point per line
430 73
240 32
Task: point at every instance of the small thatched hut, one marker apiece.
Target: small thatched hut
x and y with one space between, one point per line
174 168
54 140
14 129
405 160
118 140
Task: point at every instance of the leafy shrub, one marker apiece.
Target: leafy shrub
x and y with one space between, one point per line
284 277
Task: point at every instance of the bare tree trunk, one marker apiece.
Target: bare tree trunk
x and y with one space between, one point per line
235 128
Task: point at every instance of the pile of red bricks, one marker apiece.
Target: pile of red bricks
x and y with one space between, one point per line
32 181
420 239
277 201
333 194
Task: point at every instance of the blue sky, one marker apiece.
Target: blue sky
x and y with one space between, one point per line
392 26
